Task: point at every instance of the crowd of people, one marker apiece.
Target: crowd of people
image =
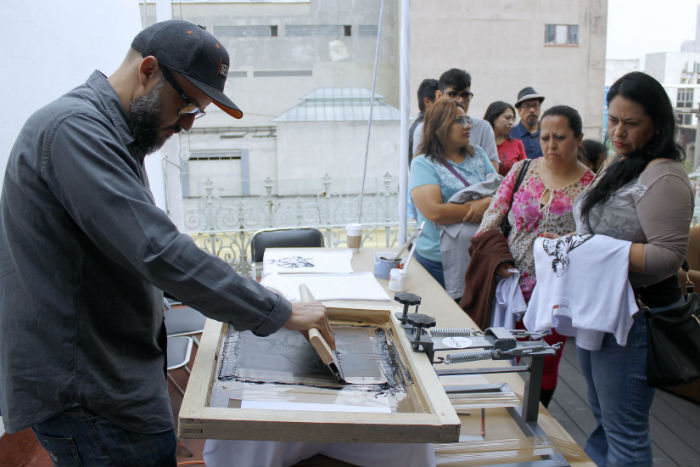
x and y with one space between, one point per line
85 254
556 183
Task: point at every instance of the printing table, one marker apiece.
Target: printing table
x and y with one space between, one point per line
504 441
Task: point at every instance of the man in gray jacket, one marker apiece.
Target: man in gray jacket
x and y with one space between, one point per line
85 255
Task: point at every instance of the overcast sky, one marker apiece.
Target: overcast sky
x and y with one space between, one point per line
638 27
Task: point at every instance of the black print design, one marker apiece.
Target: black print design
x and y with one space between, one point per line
293 262
560 248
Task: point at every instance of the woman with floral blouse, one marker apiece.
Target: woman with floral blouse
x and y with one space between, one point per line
542 204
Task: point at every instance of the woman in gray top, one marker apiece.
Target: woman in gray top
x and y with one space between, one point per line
644 196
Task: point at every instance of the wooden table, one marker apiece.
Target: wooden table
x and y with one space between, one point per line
504 442
499 424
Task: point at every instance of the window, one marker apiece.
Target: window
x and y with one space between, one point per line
561 34
348 30
314 30
685 119
212 156
684 98
245 31
368 30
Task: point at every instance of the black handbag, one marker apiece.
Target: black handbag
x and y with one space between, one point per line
505 225
673 341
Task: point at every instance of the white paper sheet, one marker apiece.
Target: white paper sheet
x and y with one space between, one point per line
306 406
358 286
307 260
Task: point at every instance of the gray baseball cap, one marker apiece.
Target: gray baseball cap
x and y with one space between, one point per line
194 53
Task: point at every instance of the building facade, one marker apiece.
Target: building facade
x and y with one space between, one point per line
555 46
283 51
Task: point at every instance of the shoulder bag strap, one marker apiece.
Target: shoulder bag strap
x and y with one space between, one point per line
519 181
454 172
505 227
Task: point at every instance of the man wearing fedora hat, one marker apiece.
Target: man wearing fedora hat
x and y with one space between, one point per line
85 255
528 129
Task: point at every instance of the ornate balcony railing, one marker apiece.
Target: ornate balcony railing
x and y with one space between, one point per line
224 226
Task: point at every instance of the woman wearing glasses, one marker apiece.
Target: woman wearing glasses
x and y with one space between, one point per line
447 164
542 204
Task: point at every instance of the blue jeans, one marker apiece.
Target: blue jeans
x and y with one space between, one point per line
78 437
620 399
434 268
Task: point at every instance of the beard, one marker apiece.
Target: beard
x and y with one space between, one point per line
144 122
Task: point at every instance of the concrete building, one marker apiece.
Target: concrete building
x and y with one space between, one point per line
679 72
556 46
284 50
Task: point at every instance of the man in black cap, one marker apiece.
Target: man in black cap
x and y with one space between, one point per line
85 254
528 130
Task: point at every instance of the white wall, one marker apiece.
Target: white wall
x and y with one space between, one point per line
50 47
308 151
501 44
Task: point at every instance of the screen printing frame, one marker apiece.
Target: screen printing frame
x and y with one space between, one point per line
438 423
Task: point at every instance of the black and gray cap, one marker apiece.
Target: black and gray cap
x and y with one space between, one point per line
194 53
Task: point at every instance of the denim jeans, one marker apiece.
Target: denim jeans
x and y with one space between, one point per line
434 268
620 399
78 437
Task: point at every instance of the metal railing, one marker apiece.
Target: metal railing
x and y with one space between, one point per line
224 226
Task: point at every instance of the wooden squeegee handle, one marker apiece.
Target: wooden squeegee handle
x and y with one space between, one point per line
317 340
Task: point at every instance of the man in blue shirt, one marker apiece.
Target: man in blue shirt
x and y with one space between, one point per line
528 130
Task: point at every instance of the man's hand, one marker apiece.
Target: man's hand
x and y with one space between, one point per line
476 209
307 315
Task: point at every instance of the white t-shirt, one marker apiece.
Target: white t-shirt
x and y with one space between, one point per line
582 289
508 302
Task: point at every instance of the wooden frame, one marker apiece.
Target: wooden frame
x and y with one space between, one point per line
438 421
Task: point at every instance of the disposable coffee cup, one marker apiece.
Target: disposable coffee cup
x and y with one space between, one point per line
354 234
384 263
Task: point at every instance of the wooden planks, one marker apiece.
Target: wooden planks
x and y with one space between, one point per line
674 422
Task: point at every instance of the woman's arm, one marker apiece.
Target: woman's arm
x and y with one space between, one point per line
664 212
637 257
477 208
501 202
428 200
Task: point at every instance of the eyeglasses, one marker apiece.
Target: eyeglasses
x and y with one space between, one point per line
467 95
530 105
464 120
190 109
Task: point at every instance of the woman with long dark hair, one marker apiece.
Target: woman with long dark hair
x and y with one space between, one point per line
645 197
501 116
447 163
